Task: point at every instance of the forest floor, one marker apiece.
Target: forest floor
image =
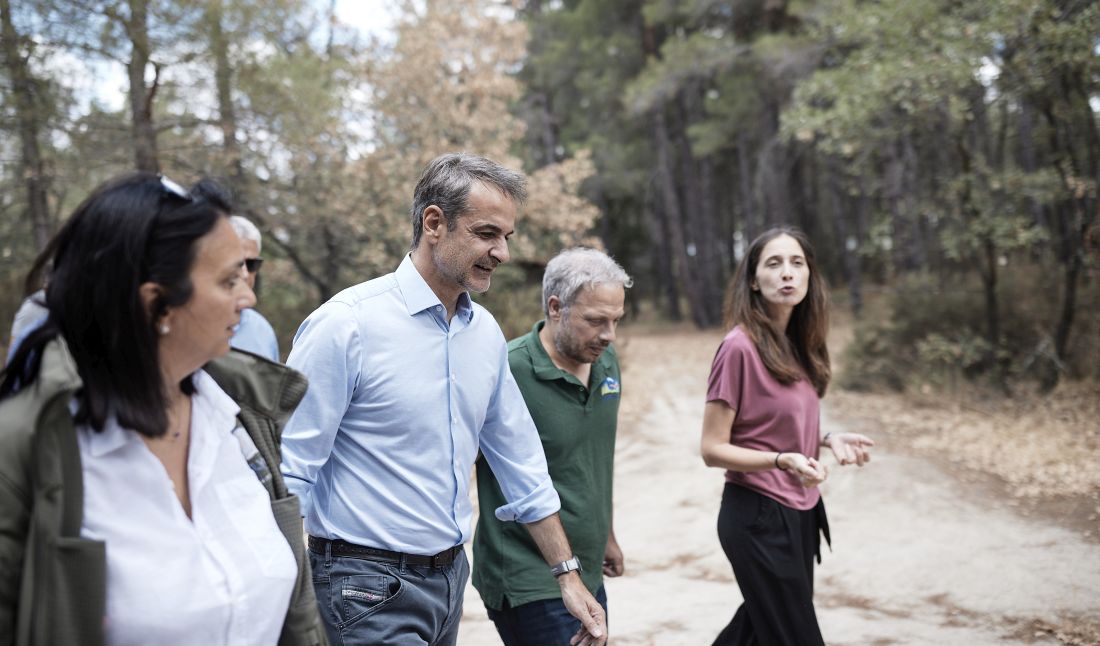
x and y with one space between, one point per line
976 522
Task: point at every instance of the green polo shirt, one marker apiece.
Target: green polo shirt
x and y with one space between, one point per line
577 425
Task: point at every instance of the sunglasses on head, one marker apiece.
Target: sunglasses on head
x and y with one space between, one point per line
175 189
253 264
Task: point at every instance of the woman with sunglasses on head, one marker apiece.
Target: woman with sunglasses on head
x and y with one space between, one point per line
140 494
762 424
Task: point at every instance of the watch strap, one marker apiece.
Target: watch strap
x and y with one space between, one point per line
567 566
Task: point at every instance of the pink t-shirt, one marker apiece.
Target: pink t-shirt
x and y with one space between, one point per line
770 417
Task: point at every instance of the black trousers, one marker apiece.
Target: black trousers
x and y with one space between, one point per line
772 549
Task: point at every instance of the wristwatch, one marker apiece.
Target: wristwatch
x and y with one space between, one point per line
567 566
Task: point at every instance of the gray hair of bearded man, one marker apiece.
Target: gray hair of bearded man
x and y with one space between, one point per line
579 268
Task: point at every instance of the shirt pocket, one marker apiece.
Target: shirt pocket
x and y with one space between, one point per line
248 507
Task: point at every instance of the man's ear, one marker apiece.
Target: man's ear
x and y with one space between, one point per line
553 308
433 223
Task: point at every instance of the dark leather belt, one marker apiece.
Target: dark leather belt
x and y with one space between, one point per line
351 550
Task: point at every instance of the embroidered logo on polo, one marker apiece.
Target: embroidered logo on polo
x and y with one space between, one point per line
609 388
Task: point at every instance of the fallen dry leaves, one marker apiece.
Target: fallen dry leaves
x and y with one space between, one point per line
1039 445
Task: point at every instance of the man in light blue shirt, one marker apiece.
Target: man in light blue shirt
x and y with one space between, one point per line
31 314
253 334
409 379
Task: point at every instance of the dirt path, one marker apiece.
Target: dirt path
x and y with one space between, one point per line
918 556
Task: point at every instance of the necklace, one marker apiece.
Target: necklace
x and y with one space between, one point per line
179 418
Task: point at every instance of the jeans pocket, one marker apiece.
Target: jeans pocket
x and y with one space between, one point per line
365 594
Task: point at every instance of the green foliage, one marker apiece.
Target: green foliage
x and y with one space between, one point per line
933 332
729 105
945 358
999 217
886 64
956 141
580 58
871 361
699 56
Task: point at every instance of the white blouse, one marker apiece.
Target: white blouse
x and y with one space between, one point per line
223 576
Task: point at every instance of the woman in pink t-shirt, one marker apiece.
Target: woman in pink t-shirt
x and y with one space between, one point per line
762 424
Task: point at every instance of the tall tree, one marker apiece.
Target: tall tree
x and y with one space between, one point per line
580 57
136 26
215 25
29 108
446 86
940 101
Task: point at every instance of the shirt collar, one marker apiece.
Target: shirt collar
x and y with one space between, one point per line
545 369
219 408
111 438
419 296
541 362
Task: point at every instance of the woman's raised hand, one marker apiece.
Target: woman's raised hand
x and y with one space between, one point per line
850 448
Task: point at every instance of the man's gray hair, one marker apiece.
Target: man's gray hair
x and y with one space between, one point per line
579 268
246 230
446 182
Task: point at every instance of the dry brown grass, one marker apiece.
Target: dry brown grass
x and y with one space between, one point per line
1039 445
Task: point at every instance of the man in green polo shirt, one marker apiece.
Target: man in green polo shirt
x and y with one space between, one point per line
568 373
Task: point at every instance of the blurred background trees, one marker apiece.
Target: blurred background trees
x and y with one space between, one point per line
944 156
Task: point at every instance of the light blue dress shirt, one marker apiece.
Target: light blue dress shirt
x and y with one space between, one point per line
254 334
399 402
31 314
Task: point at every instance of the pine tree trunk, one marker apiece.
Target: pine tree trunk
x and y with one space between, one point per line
748 196
700 234
849 250
223 81
141 97
674 213
667 288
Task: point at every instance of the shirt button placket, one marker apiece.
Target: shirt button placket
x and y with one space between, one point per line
452 413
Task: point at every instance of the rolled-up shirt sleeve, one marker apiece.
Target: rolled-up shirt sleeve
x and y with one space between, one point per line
511 445
328 350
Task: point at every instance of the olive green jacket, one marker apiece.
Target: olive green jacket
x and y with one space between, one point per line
52 581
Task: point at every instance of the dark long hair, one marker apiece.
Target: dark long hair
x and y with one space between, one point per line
131 230
800 349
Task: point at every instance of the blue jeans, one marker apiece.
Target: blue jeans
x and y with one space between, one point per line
368 603
539 623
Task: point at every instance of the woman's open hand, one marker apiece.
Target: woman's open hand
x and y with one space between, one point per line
850 448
